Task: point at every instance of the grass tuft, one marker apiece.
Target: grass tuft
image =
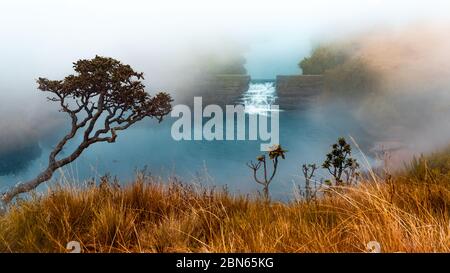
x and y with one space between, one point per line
409 212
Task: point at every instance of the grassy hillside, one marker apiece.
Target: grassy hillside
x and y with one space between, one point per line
409 212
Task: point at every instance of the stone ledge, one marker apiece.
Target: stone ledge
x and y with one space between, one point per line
296 91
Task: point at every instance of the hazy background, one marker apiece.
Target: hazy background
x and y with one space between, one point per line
406 41
162 38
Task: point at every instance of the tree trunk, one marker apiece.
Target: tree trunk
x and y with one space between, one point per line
266 193
26 187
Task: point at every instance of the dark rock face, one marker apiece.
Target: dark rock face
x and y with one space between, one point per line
226 89
220 89
293 91
297 91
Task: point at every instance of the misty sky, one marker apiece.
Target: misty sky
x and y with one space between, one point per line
43 37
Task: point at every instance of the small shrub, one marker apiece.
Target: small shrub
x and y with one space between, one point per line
340 164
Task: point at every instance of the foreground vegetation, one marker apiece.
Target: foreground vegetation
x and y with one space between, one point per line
408 212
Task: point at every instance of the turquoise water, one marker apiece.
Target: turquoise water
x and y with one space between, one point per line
306 134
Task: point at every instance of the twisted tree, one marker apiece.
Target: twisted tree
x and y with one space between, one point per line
103 97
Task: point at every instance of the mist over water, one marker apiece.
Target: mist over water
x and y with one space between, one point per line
306 134
166 42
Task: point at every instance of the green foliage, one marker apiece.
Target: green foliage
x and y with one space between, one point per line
352 78
344 73
323 58
339 163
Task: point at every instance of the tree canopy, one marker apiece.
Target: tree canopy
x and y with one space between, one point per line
323 58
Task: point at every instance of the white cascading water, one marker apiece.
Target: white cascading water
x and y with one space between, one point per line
259 98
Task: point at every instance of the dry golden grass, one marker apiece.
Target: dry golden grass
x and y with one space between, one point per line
408 213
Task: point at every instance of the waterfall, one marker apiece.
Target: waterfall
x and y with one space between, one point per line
260 97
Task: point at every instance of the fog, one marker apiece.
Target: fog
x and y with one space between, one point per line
403 40
412 106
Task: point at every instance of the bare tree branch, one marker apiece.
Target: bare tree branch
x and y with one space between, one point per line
274 154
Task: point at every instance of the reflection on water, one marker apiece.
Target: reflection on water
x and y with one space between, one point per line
306 134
